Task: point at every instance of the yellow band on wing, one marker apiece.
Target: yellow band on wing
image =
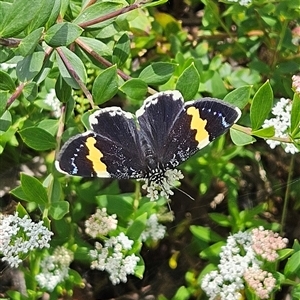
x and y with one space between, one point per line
202 136
95 156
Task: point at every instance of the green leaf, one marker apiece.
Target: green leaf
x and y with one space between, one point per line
212 251
295 116
97 10
18 17
33 190
239 97
264 132
19 193
76 63
3 101
211 82
135 230
62 34
30 91
293 265
154 3
62 90
29 43
120 205
188 82
37 138
105 85
220 219
96 46
59 209
182 293
157 73
54 12
205 234
134 88
5 121
43 13
261 105
30 66
121 50
50 125
240 138
6 83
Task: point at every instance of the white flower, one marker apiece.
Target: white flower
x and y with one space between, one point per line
19 236
54 268
281 123
100 223
153 230
163 186
113 258
52 101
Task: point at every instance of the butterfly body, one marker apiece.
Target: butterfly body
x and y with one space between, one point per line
164 132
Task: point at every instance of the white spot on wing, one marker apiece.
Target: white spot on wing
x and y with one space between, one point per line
113 111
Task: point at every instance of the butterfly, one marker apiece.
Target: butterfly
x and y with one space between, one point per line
164 132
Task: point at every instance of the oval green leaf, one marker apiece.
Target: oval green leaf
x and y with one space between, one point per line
105 85
239 97
121 50
59 209
188 82
240 138
6 83
29 43
18 17
62 34
157 73
295 116
261 105
30 91
33 190
37 138
135 230
134 88
30 66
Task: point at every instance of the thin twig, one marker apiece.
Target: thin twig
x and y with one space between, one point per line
110 15
15 95
74 74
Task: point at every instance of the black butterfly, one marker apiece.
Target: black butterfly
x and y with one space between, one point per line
164 133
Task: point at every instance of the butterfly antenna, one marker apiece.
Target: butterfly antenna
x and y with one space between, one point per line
185 193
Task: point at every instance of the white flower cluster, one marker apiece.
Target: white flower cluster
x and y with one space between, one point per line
52 101
54 268
162 188
281 123
100 223
113 258
18 236
241 2
153 231
240 264
236 256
